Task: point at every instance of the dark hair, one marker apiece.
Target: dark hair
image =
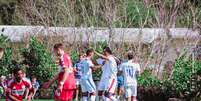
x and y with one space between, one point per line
33 77
130 55
89 51
107 49
16 70
58 46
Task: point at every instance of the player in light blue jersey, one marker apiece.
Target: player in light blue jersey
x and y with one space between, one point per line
130 70
87 83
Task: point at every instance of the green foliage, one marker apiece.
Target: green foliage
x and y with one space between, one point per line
185 71
74 56
6 64
39 60
146 79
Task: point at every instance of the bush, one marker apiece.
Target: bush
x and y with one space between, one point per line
6 63
39 60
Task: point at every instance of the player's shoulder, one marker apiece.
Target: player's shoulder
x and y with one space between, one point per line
66 56
26 81
111 58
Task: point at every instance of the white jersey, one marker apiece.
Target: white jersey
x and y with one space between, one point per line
109 68
86 65
129 70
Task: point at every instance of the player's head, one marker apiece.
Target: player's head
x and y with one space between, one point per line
33 78
18 74
82 56
130 55
2 78
58 49
90 52
1 52
107 51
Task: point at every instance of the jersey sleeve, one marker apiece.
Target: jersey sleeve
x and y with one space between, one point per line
27 84
90 63
67 61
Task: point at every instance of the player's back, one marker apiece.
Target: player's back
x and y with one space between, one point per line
86 68
110 68
130 70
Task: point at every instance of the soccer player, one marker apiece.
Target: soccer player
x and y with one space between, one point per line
78 74
87 84
17 86
35 85
66 80
130 70
108 82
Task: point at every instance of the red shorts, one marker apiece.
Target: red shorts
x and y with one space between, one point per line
64 95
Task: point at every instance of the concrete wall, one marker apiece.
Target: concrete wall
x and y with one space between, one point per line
146 35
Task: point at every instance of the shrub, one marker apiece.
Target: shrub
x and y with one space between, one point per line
39 60
6 63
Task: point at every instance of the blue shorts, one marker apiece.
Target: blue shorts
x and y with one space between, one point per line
120 81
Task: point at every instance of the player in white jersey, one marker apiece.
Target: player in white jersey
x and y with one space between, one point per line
130 70
87 84
108 82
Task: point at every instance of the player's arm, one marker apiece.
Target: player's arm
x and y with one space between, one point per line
54 79
13 98
94 68
101 55
28 94
138 70
66 72
67 69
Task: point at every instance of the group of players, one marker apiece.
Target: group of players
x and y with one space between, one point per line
66 80
108 83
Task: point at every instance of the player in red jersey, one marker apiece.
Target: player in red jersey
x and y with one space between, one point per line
66 80
17 86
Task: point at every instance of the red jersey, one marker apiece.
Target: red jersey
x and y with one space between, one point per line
65 62
17 89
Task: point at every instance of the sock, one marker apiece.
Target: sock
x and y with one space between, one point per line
84 98
93 98
113 98
107 99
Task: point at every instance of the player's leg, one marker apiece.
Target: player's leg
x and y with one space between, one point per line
93 96
91 87
120 90
134 93
84 96
128 93
121 93
110 94
101 90
77 89
84 90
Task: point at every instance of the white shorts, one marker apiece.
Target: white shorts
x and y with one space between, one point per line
77 81
130 91
108 85
88 85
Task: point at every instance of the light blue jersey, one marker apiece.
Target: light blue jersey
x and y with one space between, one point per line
87 83
130 70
